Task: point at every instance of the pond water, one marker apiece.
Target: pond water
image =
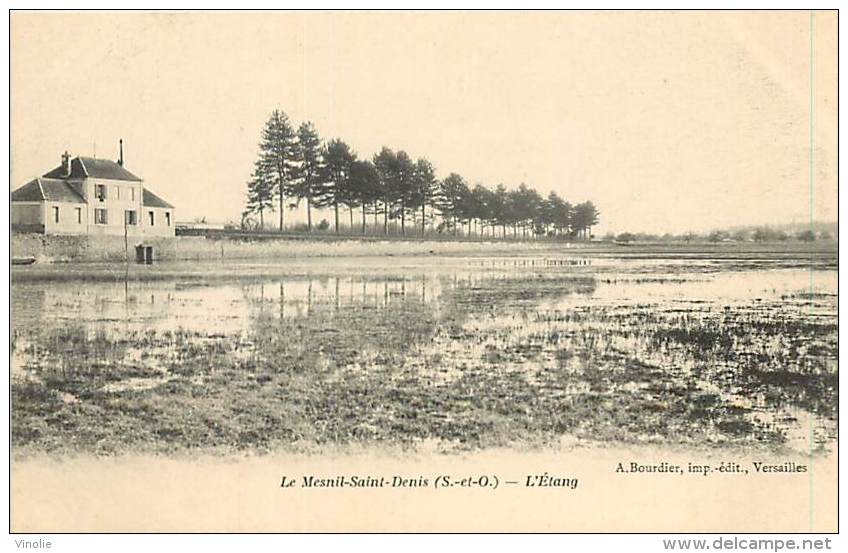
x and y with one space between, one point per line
466 352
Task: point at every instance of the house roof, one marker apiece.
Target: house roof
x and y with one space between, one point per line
149 199
83 167
40 189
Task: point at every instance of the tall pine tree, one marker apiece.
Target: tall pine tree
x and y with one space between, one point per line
339 158
260 192
385 163
364 187
425 185
278 156
310 181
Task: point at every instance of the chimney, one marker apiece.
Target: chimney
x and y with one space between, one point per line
66 164
121 152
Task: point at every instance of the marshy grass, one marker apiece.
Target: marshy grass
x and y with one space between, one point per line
517 357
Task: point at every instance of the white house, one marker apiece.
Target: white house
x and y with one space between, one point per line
87 195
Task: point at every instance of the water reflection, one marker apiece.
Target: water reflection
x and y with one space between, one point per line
627 351
296 297
227 308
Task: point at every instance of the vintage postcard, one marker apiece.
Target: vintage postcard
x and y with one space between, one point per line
423 271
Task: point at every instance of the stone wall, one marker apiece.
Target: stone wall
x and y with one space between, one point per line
55 248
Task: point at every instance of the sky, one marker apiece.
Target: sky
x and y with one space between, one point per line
667 121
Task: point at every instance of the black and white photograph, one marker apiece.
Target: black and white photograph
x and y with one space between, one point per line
423 271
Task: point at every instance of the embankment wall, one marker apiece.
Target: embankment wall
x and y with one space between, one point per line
64 248
55 248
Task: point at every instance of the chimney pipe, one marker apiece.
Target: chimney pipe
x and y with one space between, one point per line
66 164
121 155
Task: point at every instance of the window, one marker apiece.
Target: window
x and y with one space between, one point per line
100 192
79 215
132 193
55 214
168 218
150 218
100 217
117 192
130 217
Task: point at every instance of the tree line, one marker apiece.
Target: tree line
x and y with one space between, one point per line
295 165
757 234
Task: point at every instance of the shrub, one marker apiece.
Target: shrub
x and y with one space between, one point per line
806 236
764 234
717 236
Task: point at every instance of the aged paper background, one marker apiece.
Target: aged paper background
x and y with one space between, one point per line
705 112
209 495
154 494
